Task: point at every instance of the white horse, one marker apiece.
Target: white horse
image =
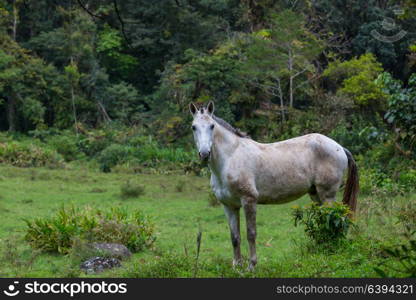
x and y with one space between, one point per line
245 173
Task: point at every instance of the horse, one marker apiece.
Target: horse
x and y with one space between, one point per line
245 173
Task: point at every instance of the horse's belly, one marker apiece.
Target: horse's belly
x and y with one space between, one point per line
280 199
283 193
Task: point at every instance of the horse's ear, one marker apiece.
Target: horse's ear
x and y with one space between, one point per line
193 109
210 107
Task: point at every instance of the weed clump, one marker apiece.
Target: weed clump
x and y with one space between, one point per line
180 186
58 233
131 190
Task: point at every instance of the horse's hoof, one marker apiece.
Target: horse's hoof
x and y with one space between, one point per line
237 263
251 268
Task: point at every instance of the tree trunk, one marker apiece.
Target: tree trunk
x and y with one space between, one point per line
11 113
282 104
74 111
104 113
290 66
15 18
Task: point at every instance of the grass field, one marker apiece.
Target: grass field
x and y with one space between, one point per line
178 205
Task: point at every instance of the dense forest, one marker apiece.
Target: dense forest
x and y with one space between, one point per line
276 69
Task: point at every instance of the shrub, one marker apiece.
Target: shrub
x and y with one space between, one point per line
326 223
66 145
113 155
131 190
20 154
57 233
408 179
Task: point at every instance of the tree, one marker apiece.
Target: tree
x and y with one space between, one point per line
356 79
27 85
401 112
283 55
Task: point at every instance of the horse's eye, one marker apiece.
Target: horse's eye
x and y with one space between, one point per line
212 127
193 127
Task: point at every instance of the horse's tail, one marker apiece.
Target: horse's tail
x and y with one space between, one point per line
352 186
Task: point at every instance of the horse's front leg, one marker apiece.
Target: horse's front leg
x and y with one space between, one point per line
233 216
249 204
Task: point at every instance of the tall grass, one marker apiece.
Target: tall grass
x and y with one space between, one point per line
57 233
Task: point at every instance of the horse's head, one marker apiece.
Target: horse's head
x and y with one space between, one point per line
203 127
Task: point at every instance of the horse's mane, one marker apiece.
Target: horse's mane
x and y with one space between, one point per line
230 128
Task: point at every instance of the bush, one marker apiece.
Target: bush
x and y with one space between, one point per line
407 179
58 233
131 190
21 154
113 155
66 145
326 223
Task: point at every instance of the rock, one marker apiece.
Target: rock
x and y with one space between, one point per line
112 250
98 264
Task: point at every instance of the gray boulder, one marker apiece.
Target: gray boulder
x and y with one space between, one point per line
98 264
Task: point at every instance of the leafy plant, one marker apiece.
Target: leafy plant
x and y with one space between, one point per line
357 79
324 223
116 225
113 155
401 107
404 254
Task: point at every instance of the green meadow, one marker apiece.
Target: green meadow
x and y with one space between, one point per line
178 206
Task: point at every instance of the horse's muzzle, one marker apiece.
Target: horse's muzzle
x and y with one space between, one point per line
204 156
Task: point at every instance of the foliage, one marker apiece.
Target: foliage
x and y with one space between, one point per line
66 144
115 225
123 103
113 155
356 79
405 254
401 111
358 135
325 223
282 54
23 154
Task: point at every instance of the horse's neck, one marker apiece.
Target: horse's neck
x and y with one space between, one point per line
224 145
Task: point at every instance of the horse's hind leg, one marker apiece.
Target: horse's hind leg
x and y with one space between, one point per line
313 193
327 193
233 216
